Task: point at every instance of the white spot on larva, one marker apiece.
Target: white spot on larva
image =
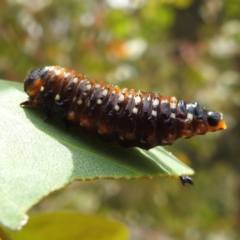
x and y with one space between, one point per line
154 113
113 92
121 97
80 123
74 99
105 92
66 74
100 132
75 80
88 86
190 116
173 115
50 68
79 102
135 110
116 107
99 101
121 137
138 99
164 101
42 89
155 102
57 97
149 98
130 95
143 141
173 103
97 85
58 72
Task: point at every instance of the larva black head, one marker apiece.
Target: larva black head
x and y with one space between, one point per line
33 84
213 118
215 121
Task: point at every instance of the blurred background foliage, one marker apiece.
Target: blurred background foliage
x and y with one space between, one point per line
185 48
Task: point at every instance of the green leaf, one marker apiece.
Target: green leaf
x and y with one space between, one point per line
37 158
71 225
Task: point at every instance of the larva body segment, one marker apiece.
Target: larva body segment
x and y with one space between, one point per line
136 118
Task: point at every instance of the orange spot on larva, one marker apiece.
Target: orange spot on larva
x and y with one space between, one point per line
34 88
71 116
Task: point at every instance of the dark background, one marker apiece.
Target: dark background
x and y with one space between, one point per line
188 49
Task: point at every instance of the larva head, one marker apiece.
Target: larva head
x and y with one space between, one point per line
215 121
32 86
204 120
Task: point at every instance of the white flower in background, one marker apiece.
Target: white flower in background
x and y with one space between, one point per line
126 4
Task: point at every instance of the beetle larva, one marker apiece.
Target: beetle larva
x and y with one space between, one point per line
135 118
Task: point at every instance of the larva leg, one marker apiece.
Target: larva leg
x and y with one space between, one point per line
26 104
